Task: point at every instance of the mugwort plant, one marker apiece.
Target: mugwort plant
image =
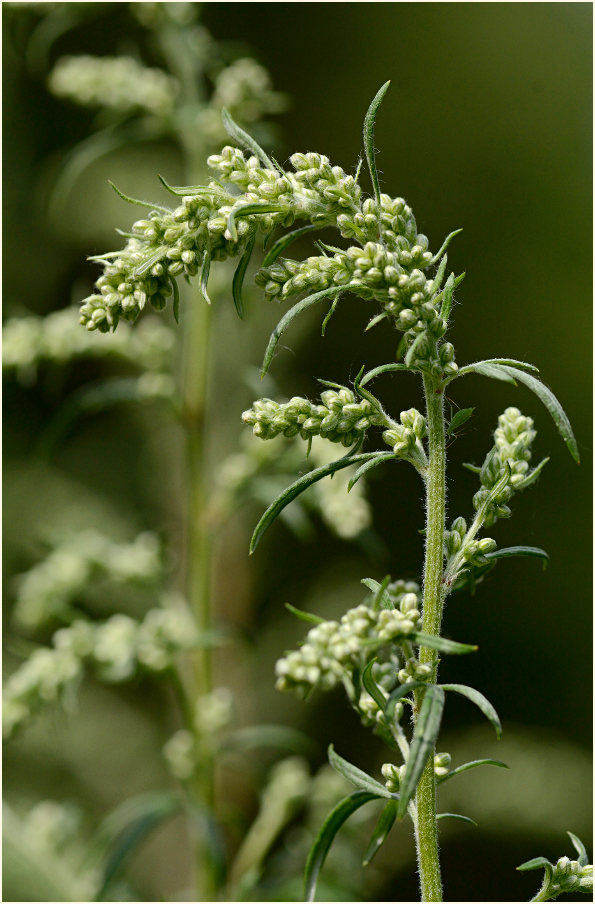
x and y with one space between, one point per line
385 652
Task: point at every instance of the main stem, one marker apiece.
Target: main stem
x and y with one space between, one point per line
426 831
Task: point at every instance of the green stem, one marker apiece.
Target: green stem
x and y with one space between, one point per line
426 832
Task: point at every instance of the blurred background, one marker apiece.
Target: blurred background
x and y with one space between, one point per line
487 126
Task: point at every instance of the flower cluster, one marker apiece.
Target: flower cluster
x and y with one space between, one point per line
406 437
332 650
511 451
28 342
393 775
50 588
119 83
340 418
470 551
116 649
568 876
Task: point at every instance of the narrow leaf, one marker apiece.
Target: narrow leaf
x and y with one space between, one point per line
456 816
304 616
286 240
447 295
181 191
130 200
329 315
369 122
509 551
357 777
204 276
471 765
383 827
381 369
290 316
482 702
238 277
461 417
583 857
326 836
150 261
176 302
495 372
532 476
535 863
379 458
372 688
442 643
381 598
475 469
298 487
247 210
245 140
438 278
413 347
376 320
398 694
422 744
444 246
470 368
552 404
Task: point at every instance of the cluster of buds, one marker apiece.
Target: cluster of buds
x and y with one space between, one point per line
185 749
568 876
406 438
30 341
116 649
393 774
340 418
511 453
468 551
119 83
332 650
50 588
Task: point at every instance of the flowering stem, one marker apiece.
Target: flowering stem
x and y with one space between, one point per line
426 832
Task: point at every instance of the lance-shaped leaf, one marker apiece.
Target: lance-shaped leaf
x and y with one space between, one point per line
282 243
382 599
298 487
357 777
326 836
378 459
238 277
444 246
482 702
372 688
583 857
494 371
383 827
150 261
535 863
304 616
136 201
461 417
332 310
205 269
382 369
181 191
247 210
245 140
509 551
290 316
447 294
552 404
443 644
456 816
369 122
512 362
464 767
176 302
423 742
398 694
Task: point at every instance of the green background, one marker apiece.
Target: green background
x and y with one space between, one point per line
487 126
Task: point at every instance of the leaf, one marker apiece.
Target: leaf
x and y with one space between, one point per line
535 863
470 368
282 243
456 816
204 275
509 551
304 616
238 277
482 702
532 476
298 487
247 210
245 140
369 143
552 404
442 644
150 261
378 459
495 372
398 694
419 339
329 315
461 417
383 827
289 316
425 733
382 369
357 777
583 857
181 191
372 688
127 826
471 765
130 200
376 320
381 598
176 301
326 836
444 246
447 294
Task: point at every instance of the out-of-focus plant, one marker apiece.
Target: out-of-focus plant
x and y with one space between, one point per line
384 651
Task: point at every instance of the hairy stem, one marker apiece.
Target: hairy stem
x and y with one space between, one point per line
426 832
